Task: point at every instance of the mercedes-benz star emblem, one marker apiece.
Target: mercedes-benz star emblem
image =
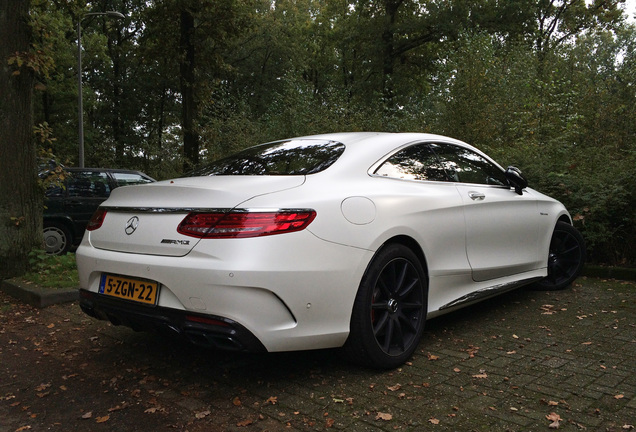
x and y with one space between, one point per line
132 225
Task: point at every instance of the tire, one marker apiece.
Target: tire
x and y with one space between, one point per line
389 311
57 239
565 260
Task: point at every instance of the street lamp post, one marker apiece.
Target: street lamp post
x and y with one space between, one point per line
80 108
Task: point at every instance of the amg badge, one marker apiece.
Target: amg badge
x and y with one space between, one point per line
175 242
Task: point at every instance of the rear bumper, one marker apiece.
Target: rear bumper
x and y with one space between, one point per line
201 330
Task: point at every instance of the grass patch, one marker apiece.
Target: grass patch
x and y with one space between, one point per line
50 271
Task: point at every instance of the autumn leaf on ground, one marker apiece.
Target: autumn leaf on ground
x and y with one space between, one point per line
619 396
432 357
42 387
272 400
103 419
244 423
481 375
118 407
384 416
87 415
330 422
555 419
395 387
433 420
202 414
23 428
236 401
151 410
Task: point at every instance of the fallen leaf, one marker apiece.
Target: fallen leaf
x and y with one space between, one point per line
23 428
50 325
42 387
118 407
457 370
433 420
555 419
244 423
103 419
515 336
619 396
87 415
586 343
272 400
329 423
432 357
202 414
236 401
481 375
152 410
395 387
384 416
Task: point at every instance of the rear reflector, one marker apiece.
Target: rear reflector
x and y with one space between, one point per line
244 224
97 220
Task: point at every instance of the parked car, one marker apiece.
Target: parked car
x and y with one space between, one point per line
344 240
69 204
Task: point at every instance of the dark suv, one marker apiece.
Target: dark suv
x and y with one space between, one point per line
70 205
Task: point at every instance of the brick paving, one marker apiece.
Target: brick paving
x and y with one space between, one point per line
525 361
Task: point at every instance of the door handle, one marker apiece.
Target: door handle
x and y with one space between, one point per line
476 196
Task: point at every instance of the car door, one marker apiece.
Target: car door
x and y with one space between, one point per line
501 225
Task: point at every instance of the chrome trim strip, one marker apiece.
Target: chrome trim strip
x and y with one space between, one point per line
492 291
164 209
201 209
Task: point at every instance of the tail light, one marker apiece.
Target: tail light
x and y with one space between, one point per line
244 224
97 220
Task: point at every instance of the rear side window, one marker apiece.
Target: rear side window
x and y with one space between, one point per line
125 179
88 184
293 157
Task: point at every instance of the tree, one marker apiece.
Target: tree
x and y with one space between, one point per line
20 195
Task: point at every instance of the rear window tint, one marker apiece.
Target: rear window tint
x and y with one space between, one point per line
293 157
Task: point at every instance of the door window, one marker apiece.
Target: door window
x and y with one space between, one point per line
417 162
466 166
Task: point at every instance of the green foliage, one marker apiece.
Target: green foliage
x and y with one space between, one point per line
52 271
547 86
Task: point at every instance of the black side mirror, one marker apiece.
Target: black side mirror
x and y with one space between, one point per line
516 179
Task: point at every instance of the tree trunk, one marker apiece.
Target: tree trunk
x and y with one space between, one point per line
188 102
20 194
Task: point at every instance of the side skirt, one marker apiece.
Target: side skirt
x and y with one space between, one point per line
488 292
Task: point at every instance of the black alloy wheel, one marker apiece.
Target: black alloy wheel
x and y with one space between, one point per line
389 311
565 259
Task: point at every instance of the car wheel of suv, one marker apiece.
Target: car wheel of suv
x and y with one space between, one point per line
389 310
57 239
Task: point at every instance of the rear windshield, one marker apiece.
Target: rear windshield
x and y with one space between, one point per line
293 157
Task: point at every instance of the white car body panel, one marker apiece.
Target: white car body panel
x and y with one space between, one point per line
296 290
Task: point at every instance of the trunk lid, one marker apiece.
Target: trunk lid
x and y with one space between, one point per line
143 219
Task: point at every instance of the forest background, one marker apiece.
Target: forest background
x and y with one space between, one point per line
546 85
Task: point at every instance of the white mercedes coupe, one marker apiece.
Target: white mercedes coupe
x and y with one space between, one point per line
345 240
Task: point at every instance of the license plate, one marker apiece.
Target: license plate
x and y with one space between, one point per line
138 290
